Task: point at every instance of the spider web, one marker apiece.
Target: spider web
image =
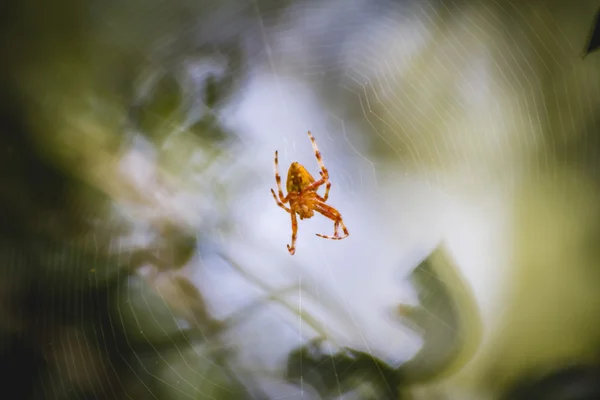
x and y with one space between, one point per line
429 115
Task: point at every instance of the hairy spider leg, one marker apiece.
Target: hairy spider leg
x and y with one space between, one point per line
336 217
281 199
327 188
279 203
292 248
324 172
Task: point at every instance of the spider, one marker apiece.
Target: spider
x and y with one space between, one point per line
303 198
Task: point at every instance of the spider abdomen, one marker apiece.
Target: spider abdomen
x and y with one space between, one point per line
298 178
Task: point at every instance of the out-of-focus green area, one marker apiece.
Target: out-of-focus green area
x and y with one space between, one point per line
83 84
499 104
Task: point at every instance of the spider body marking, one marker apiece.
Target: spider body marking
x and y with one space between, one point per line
299 179
303 198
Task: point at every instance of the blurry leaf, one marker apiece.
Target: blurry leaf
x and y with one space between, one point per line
177 243
571 383
195 373
593 42
211 92
161 113
335 373
187 301
144 312
209 128
219 88
447 318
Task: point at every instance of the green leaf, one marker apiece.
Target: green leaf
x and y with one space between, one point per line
332 373
447 318
161 113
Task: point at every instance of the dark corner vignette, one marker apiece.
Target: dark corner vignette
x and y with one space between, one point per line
593 42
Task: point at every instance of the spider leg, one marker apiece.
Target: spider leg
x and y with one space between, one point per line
315 185
279 203
278 178
324 173
292 248
336 217
327 188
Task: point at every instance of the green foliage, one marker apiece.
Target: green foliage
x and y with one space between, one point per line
447 318
335 373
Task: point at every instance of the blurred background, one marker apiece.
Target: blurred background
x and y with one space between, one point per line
143 257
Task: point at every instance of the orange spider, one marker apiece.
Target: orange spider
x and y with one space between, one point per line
303 197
